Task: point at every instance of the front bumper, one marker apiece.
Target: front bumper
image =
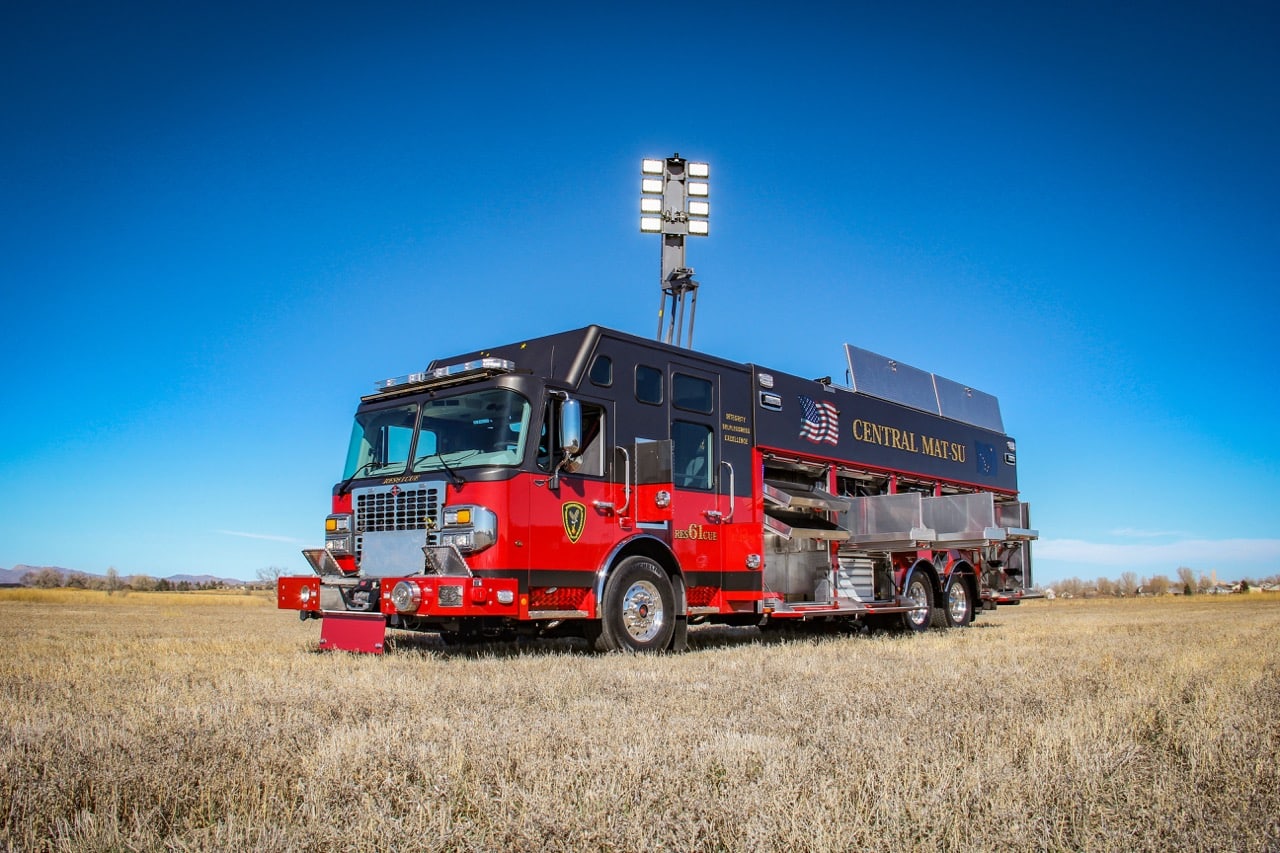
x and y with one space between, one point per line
440 596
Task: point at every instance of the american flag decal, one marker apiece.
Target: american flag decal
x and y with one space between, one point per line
821 422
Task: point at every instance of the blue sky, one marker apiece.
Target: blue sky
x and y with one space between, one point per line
221 222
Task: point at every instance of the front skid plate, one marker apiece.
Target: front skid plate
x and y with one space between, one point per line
353 632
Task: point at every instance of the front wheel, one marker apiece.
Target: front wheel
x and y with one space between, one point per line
638 608
919 592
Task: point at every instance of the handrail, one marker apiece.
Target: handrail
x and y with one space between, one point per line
626 487
729 517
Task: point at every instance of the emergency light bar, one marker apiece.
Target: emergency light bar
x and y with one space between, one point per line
449 373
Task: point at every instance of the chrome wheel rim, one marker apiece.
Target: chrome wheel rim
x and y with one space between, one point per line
642 615
958 602
919 598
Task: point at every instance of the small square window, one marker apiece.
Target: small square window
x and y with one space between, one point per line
602 371
691 393
649 385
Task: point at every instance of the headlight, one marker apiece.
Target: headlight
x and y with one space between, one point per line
469 528
406 596
464 542
337 534
304 595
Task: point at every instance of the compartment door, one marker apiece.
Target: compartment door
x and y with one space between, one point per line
698 509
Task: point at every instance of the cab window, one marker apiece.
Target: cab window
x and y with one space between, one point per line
590 461
649 385
691 393
691 455
602 371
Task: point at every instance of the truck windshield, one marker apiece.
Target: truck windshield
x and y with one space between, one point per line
380 442
480 428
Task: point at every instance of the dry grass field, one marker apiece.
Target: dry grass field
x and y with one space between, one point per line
207 722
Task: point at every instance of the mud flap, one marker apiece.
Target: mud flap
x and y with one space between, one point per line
354 632
680 638
680 634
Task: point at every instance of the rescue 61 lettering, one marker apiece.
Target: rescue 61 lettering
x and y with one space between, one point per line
575 519
696 531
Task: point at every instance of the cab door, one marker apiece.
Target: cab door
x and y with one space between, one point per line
571 526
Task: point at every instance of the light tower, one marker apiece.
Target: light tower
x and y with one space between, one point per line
673 203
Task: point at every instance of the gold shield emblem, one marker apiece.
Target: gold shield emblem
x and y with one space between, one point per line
575 519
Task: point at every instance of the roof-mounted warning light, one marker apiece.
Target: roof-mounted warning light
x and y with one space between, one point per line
447 375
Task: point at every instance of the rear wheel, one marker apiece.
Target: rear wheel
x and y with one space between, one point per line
919 592
638 608
957 604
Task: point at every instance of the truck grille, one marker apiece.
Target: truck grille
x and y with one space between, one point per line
414 507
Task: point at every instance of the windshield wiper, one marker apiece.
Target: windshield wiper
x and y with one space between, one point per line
457 481
342 487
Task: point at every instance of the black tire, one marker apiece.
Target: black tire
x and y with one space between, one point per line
638 612
919 589
956 608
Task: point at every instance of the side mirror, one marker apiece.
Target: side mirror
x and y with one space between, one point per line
570 427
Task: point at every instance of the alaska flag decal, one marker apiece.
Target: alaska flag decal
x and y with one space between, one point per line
986 459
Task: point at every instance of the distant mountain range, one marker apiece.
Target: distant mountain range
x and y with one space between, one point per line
14 576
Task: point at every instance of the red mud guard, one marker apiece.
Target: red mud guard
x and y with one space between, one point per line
354 632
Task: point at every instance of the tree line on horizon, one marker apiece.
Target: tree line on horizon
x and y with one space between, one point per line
1187 582
112 582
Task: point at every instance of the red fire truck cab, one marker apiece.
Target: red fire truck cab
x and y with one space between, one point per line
596 483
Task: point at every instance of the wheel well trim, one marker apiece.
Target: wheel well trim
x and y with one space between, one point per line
930 573
963 571
621 550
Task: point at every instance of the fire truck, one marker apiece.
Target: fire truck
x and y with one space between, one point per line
596 483
599 484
